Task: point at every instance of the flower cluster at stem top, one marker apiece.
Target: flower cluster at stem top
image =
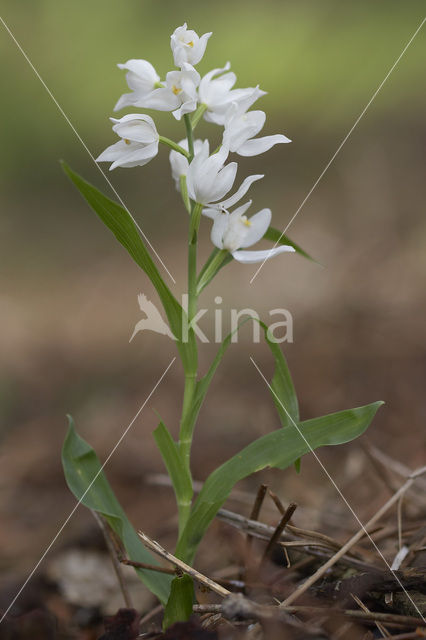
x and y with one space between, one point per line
207 177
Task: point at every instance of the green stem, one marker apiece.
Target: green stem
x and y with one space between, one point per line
186 427
187 423
189 135
174 146
192 259
185 441
184 193
197 115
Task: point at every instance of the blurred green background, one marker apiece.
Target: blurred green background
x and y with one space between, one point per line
68 291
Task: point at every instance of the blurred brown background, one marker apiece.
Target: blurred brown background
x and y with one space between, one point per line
68 290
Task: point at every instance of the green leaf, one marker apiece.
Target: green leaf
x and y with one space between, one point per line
179 604
178 472
281 384
278 449
120 222
274 235
87 481
216 260
282 388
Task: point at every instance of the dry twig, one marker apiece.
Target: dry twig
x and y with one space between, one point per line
385 633
196 575
372 617
114 552
350 543
279 529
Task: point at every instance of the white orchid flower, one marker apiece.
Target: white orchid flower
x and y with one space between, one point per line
234 231
177 94
183 86
138 144
187 46
142 79
208 180
216 93
179 164
241 127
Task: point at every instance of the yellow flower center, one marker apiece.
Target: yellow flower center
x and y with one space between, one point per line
176 90
190 44
126 141
245 221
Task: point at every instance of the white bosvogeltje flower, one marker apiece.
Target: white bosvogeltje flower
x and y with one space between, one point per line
234 231
216 93
241 127
208 180
183 86
138 144
179 164
142 79
177 94
187 46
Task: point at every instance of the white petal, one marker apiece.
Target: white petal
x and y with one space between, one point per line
219 227
112 152
205 170
201 170
136 157
240 211
241 128
255 120
218 159
260 145
126 100
206 81
214 118
200 49
189 73
195 169
136 127
250 98
223 183
258 226
161 99
244 187
209 213
135 116
179 165
250 257
142 74
186 107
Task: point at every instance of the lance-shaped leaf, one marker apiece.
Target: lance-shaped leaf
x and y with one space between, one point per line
120 222
278 449
87 481
215 262
282 388
282 384
276 236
